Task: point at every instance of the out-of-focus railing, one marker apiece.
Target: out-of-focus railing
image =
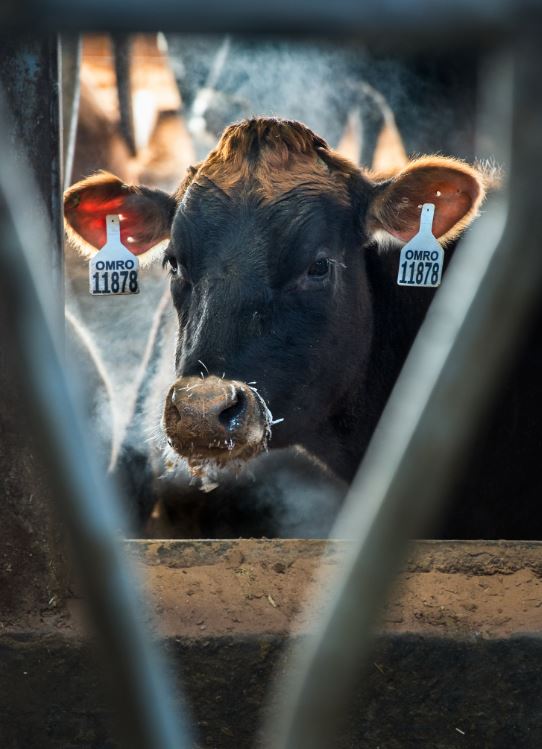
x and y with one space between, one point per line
86 500
388 20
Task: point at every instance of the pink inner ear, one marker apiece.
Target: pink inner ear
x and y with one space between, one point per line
144 214
452 191
87 218
448 212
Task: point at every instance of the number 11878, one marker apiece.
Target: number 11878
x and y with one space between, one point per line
115 282
420 273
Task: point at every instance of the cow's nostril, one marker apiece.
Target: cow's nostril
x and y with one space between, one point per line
233 416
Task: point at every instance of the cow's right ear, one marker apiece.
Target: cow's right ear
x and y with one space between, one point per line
145 214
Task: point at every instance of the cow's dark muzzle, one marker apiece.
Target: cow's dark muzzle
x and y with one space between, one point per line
214 419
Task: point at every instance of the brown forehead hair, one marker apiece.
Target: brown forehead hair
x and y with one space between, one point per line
267 157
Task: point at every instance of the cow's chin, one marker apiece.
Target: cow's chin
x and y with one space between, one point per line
217 454
205 466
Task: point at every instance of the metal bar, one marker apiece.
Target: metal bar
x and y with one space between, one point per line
85 499
122 54
460 354
70 49
29 72
387 19
34 575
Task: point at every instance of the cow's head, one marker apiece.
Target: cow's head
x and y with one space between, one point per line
267 242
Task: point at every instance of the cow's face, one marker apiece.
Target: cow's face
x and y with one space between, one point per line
268 239
271 291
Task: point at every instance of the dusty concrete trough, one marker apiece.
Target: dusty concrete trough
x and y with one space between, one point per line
457 659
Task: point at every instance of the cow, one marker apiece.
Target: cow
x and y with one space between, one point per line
283 259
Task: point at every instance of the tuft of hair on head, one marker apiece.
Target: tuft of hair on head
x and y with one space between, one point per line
268 156
248 138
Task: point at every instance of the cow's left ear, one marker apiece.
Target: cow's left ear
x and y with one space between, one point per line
145 214
456 189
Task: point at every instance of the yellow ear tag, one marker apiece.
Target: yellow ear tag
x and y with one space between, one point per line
422 259
114 269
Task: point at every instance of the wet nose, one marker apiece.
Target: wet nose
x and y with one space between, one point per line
209 416
212 404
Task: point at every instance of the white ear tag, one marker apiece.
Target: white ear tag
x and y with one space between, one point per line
114 269
422 259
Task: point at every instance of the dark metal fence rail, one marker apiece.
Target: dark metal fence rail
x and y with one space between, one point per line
484 303
70 51
392 20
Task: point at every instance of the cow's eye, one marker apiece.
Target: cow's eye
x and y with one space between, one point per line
173 264
319 268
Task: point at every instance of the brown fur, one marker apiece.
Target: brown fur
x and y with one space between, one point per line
266 158
269 157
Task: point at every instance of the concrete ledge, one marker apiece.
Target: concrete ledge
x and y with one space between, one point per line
457 662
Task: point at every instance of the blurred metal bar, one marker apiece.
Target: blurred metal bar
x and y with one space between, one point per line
122 54
393 19
86 501
33 570
70 52
461 353
29 73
